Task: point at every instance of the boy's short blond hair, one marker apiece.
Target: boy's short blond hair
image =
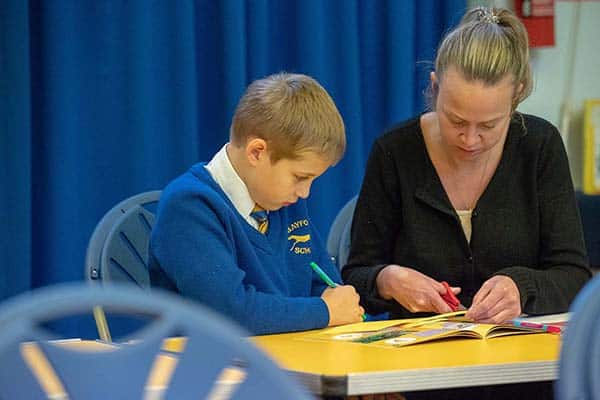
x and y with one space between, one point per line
293 114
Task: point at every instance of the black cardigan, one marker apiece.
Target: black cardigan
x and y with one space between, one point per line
526 224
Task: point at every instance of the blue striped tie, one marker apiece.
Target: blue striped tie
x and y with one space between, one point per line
262 217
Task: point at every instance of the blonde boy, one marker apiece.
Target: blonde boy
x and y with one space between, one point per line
235 234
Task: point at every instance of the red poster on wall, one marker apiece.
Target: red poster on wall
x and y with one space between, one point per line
538 18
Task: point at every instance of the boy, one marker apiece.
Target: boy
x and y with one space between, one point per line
235 235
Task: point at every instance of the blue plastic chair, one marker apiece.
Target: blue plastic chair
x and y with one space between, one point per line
213 344
579 366
118 248
589 207
338 242
338 239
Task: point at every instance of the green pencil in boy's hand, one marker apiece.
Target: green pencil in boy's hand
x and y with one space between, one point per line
323 275
327 279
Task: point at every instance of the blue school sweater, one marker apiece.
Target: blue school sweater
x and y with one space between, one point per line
203 249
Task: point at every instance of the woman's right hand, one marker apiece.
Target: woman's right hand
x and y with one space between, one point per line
413 290
342 303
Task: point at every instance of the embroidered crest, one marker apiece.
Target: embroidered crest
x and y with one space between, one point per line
298 240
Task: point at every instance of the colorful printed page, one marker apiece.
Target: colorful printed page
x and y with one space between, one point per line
442 330
375 326
400 333
372 330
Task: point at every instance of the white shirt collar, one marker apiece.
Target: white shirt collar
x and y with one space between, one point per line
222 171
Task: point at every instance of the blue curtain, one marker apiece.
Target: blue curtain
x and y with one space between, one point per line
100 100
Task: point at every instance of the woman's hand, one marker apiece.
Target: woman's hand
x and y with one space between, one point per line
413 290
497 301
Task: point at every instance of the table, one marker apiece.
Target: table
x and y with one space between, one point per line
335 368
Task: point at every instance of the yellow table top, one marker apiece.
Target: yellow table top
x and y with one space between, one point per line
341 358
440 364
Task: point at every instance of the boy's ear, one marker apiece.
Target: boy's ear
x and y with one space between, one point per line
256 151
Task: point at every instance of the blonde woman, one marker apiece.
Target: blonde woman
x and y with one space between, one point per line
473 192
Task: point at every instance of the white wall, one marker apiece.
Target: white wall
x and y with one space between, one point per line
551 70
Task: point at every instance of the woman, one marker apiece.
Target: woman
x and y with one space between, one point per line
472 192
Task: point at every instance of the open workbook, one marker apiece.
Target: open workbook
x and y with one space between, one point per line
413 331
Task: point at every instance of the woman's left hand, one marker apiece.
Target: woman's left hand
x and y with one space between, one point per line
497 301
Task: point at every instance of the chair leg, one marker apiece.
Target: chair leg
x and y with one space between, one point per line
101 324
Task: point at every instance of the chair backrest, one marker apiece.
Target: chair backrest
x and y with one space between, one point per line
143 364
118 248
579 367
589 207
338 239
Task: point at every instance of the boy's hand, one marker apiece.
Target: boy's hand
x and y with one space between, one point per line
342 303
413 290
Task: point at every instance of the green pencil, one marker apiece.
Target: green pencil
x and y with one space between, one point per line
323 275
